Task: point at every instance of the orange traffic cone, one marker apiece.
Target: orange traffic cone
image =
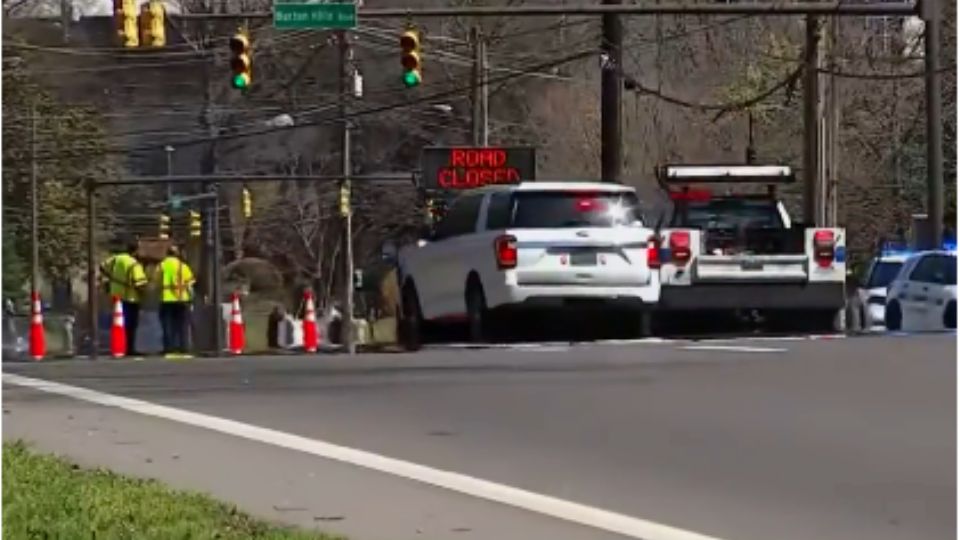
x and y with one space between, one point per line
118 334
310 334
38 341
237 332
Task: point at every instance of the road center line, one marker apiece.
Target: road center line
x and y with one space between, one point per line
535 502
733 348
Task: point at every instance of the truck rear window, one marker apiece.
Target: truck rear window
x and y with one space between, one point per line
728 214
567 209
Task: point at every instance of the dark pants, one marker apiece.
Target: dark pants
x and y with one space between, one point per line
131 320
173 319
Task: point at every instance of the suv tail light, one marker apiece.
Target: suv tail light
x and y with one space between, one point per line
823 248
680 247
653 252
505 249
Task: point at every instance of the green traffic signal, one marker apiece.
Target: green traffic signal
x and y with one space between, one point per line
241 81
411 79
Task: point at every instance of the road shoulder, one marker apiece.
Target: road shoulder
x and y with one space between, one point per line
290 487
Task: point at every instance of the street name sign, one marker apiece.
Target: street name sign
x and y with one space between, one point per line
336 16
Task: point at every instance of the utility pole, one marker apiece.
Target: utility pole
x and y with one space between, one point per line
611 90
66 16
811 129
481 118
477 98
832 177
34 207
485 95
931 56
345 187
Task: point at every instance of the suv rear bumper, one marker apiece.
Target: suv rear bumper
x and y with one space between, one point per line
568 296
780 296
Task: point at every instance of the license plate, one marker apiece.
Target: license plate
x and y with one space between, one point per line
751 265
583 258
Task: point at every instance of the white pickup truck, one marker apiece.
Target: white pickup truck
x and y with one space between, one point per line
501 249
741 253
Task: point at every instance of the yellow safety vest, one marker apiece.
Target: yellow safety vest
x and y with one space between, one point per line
177 280
125 276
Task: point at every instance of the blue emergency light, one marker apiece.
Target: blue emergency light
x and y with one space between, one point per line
895 248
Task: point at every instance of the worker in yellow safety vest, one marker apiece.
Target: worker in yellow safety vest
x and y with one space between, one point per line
176 294
123 276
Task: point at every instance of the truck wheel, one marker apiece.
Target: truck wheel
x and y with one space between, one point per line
823 321
411 320
478 316
892 316
950 316
645 324
638 325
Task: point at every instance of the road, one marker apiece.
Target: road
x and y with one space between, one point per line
744 439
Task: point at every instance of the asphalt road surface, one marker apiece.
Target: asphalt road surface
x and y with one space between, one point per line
742 439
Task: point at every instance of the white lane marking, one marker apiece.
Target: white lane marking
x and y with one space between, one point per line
733 348
535 502
637 341
547 348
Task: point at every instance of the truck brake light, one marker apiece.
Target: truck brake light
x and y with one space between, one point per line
824 244
680 247
653 252
691 195
505 249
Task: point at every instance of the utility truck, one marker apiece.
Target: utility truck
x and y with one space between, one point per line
724 250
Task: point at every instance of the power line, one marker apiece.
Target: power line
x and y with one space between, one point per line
764 8
357 114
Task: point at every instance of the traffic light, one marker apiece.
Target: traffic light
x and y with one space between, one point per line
196 225
125 22
247 204
344 200
410 43
152 29
241 62
164 226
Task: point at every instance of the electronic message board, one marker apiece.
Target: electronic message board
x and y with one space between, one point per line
460 168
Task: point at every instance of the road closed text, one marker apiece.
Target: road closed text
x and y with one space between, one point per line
456 169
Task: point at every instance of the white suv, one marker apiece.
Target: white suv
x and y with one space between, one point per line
535 244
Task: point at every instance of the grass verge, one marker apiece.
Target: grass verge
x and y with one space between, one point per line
47 497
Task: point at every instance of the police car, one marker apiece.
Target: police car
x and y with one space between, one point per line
923 296
872 293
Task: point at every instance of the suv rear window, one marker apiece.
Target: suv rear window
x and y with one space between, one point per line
569 209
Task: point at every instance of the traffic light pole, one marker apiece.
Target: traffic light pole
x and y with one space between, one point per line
215 232
34 209
347 315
